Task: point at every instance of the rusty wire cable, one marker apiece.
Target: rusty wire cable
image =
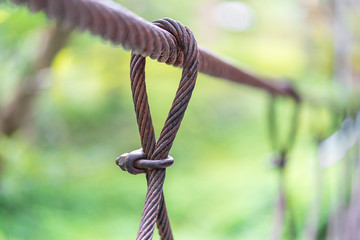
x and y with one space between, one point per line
156 153
155 209
115 23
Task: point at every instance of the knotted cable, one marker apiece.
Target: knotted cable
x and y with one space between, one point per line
282 148
154 207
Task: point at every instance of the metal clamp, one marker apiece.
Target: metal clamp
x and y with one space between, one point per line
135 162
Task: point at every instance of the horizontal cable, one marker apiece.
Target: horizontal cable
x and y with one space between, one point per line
115 23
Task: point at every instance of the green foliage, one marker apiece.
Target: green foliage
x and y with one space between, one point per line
59 178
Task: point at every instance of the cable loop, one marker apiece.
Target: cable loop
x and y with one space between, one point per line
154 157
283 147
135 163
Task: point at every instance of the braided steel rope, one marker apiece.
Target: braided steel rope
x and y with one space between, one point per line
114 23
155 209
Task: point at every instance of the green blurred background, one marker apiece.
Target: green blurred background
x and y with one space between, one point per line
58 174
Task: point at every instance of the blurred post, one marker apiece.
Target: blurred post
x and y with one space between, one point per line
343 32
17 112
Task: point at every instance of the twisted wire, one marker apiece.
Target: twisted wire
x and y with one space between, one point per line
154 207
114 23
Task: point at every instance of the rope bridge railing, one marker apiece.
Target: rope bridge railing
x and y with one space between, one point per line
115 23
167 41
